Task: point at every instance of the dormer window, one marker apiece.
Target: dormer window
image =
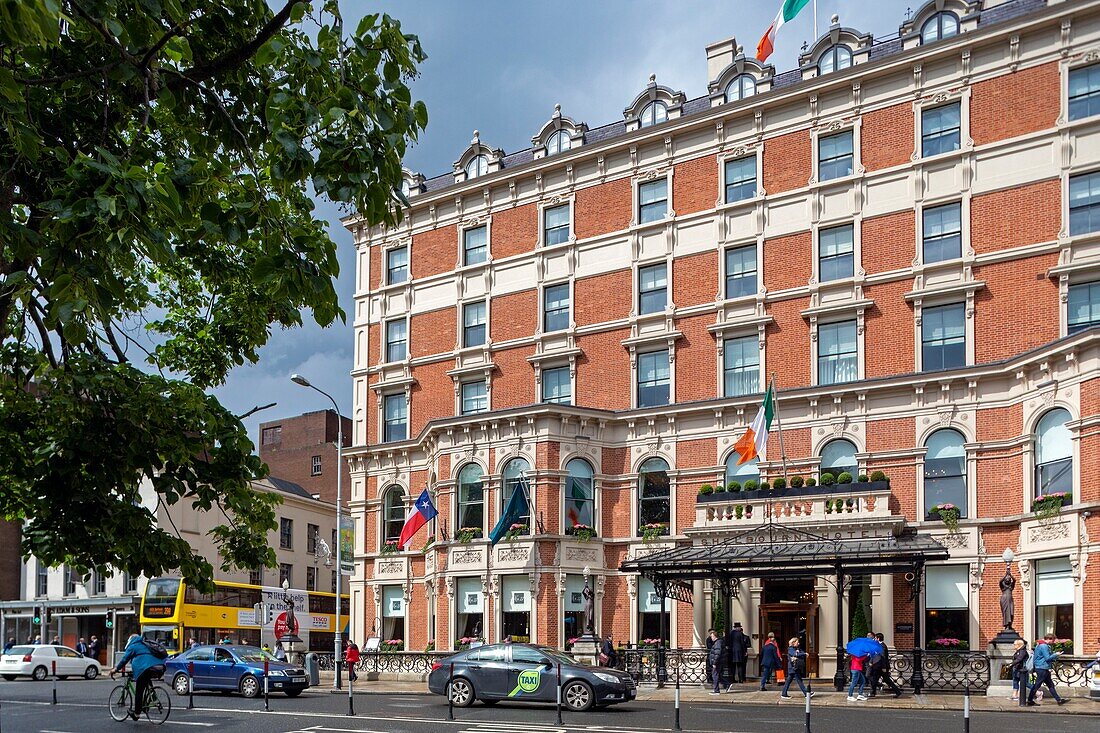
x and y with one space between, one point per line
835 58
559 142
938 27
478 166
653 114
741 87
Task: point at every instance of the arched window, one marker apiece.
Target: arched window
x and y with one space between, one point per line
478 166
393 514
515 477
1053 454
742 473
580 496
939 26
741 87
471 498
834 59
838 456
653 114
559 142
654 497
945 470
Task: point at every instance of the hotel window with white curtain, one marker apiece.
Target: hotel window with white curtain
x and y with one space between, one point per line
1054 599
575 619
649 613
470 619
393 613
946 607
515 605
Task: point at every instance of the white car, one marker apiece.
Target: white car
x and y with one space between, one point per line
37 662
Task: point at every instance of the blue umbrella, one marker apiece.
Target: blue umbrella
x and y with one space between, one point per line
863 647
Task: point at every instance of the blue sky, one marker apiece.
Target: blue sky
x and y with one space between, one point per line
500 67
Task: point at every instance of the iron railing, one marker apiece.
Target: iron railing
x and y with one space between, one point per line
641 663
389 662
1070 670
944 671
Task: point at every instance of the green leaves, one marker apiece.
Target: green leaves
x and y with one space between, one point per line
157 162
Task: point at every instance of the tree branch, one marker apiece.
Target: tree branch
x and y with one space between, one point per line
241 54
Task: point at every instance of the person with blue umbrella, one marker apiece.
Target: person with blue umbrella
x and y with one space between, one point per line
860 650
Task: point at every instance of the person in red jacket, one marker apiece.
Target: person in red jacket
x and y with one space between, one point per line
857 678
351 658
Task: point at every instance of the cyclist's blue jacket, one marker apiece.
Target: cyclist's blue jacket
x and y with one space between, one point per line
139 658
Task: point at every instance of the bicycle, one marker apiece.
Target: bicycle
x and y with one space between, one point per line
158 703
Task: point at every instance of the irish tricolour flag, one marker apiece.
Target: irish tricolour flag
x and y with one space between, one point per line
786 14
755 440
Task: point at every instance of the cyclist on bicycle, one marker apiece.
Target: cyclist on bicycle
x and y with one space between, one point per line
145 667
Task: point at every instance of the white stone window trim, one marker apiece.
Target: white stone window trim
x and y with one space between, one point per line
1034 411
635 477
1078 273
647 177
947 421
493 159
858 273
828 129
664 341
407 318
555 360
554 202
468 375
574 130
636 304
723 247
403 387
379 505
954 296
971 591
673 101
460 342
571 329
722 332
384 254
738 153
465 226
855 311
966 248
1080 60
940 99
597 485
1072 171
495 484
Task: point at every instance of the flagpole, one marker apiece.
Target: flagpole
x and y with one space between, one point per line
815 41
778 420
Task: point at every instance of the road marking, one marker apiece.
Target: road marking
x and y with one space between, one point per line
187 722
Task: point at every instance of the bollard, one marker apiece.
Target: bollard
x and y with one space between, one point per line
351 684
678 697
966 708
267 678
809 691
190 685
54 665
450 694
559 693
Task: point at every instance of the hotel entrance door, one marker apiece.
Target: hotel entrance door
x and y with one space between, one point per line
790 610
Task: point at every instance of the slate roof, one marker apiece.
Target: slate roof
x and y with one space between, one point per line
288 487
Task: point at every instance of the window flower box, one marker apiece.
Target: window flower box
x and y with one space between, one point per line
514 531
653 531
948 514
582 532
389 548
468 534
1049 506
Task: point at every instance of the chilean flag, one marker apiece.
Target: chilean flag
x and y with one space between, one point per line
423 512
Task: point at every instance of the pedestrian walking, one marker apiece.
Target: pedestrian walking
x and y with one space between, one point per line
608 656
711 636
9 644
94 647
82 647
1044 657
770 659
737 645
858 664
1019 671
36 640
714 661
351 658
880 669
56 641
280 651
796 668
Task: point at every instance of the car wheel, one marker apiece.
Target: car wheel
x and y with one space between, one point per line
461 692
293 693
9 677
179 684
250 686
39 674
91 672
578 696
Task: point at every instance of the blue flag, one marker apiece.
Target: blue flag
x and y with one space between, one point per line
516 509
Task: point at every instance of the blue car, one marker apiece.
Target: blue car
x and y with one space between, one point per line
232 668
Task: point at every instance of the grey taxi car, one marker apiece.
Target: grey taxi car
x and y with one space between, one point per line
527 673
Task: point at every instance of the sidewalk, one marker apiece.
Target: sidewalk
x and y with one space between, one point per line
1079 703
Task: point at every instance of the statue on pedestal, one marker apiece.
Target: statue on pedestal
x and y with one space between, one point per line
589 612
1008 604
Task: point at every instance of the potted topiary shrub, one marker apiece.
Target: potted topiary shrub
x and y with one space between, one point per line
779 483
844 478
706 490
862 478
797 482
733 486
827 479
751 485
811 482
878 476
764 486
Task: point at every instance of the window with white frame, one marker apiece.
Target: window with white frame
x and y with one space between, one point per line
393 514
836 253
393 612
941 233
939 26
654 113
946 605
1054 599
945 471
1083 306
473 324
740 87
70 579
738 473
475 397
650 610
740 179
654 494
1084 203
41 579
834 59
315 465
397 265
940 129
475 245
514 478
652 289
740 366
395 410
835 156
559 142
1053 454
397 339
652 200
741 271
515 619
580 496
478 166
943 337
470 615
555 225
130 583
836 353
839 456
99 584
471 497
557 387
286 533
1084 92
654 378
555 307
286 574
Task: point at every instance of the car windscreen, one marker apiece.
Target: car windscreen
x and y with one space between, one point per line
21 650
560 656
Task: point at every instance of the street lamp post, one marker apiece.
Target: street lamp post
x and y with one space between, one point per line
337 644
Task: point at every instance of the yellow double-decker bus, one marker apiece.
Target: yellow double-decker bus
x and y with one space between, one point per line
174 613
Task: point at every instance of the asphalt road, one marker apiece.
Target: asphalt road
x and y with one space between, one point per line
25 707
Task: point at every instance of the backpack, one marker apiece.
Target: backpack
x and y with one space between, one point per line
155 648
1029 665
